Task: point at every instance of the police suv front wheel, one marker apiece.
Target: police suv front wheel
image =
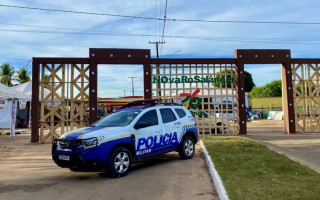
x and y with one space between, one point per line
187 148
119 162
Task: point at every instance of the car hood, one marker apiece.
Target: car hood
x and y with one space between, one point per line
90 132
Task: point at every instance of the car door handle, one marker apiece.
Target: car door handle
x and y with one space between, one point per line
158 131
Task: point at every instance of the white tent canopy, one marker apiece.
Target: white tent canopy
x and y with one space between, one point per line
11 93
26 88
6 113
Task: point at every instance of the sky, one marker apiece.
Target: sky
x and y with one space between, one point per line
33 33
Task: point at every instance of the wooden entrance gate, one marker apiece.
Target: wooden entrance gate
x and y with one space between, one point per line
65 89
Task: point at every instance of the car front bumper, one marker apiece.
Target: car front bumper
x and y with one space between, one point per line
74 156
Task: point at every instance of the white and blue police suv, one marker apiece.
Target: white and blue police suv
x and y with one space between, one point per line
131 133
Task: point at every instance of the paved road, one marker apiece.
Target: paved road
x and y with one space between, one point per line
302 147
27 172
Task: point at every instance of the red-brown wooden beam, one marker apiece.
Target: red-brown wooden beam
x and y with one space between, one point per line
147 81
305 61
288 99
241 97
193 61
93 90
62 60
35 101
120 56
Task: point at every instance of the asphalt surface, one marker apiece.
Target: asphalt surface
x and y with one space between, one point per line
301 147
28 172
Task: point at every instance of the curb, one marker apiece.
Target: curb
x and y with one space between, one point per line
214 174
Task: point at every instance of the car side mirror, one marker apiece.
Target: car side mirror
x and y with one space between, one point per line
141 125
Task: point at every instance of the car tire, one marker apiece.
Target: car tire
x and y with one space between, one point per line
187 148
119 163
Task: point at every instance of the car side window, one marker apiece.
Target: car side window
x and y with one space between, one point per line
180 112
167 115
149 118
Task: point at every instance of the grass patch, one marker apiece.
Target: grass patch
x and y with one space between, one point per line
252 171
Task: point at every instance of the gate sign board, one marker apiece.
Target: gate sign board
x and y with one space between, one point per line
213 89
194 79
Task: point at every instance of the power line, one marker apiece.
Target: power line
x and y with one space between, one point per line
76 12
167 19
164 26
27 64
226 39
146 14
76 33
50 27
155 23
159 22
24 68
126 34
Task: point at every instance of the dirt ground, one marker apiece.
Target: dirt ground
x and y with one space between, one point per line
302 147
28 172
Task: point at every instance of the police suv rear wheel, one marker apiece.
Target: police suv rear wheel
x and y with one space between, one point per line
119 162
187 148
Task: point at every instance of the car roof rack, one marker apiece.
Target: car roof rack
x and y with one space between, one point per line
169 104
147 103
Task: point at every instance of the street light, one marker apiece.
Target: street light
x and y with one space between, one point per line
158 70
175 53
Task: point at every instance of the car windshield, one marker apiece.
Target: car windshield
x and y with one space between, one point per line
122 118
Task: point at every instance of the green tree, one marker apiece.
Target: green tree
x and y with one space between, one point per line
272 89
23 76
307 88
249 84
6 74
248 81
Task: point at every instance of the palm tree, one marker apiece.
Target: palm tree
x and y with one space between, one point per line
23 76
6 74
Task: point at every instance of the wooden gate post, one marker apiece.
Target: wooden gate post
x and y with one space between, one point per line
35 101
241 95
287 99
93 90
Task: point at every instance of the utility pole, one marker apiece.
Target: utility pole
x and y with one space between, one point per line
157 46
157 65
132 77
124 93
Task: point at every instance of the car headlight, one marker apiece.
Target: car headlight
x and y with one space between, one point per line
92 142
